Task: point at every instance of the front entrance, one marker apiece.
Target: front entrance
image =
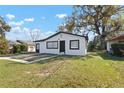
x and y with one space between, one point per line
37 48
62 46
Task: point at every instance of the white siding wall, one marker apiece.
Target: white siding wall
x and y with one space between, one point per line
82 45
108 46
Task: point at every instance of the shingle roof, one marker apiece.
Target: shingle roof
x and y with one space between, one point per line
120 38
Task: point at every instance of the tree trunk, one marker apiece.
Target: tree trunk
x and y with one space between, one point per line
102 43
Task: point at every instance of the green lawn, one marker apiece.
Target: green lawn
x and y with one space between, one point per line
94 70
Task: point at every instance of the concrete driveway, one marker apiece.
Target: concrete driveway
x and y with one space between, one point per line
29 58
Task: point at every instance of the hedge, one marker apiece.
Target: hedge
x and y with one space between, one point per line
118 49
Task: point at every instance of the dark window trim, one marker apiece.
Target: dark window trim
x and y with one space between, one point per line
120 41
74 48
50 42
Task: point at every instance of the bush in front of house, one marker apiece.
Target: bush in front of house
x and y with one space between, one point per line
118 49
23 48
16 48
19 48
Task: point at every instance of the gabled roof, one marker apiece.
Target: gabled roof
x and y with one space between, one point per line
57 34
117 38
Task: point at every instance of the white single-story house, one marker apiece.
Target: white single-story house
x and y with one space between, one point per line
116 39
63 43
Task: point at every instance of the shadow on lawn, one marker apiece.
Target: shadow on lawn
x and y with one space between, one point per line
107 56
49 60
104 55
63 58
39 62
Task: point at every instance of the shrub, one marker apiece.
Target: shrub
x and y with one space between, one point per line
118 49
19 48
3 46
16 48
23 47
91 46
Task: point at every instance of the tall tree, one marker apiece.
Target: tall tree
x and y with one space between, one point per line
3 42
4 27
101 19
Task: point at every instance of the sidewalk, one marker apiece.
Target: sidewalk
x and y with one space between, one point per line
24 61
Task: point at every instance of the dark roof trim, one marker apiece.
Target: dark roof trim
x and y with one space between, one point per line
117 38
57 34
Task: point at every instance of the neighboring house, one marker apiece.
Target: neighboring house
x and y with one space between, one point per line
117 39
30 45
63 43
10 45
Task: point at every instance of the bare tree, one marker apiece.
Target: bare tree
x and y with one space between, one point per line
33 34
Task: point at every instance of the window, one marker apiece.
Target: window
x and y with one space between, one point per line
121 42
31 47
52 45
74 44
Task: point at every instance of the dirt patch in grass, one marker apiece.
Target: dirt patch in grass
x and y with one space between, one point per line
46 71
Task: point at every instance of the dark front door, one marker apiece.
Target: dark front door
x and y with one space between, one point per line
62 46
37 48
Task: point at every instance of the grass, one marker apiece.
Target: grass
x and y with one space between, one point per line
94 70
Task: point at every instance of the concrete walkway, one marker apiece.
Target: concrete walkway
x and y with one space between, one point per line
16 60
25 62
